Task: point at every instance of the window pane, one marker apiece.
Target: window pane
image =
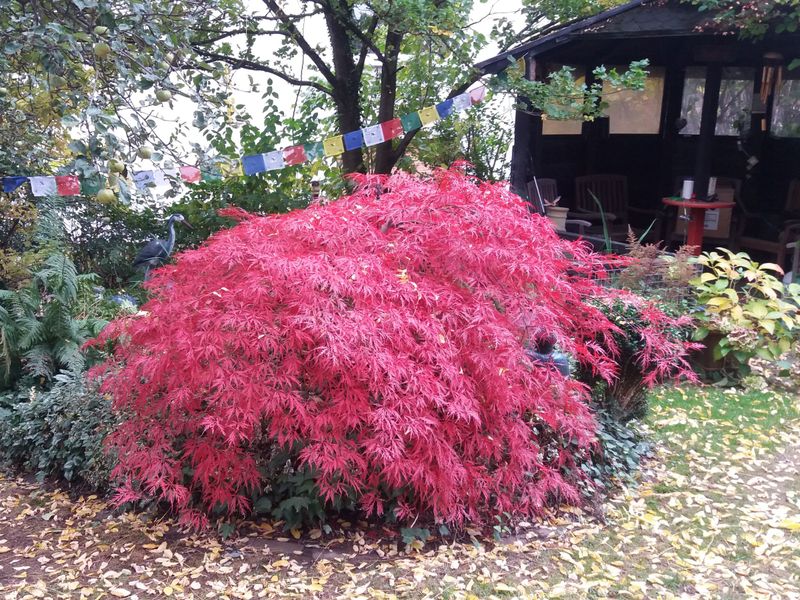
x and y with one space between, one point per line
635 112
735 100
562 126
786 113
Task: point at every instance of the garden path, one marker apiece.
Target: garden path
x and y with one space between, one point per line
716 514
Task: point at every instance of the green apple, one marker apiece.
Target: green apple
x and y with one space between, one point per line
164 95
106 196
116 166
100 30
169 57
102 50
145 152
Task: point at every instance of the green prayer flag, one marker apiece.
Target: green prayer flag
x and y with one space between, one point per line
90 186
210 176
411 122
314 151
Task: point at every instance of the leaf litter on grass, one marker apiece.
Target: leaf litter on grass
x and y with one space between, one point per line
716 514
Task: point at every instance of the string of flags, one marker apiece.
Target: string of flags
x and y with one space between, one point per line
252 164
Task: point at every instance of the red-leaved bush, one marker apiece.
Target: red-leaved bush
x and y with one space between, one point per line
383 336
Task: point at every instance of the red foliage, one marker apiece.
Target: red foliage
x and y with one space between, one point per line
382 333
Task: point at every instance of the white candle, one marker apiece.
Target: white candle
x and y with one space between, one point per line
688 189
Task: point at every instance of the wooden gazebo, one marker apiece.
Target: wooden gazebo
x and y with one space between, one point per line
717 108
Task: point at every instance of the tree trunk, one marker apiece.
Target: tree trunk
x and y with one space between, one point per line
385 154
348 80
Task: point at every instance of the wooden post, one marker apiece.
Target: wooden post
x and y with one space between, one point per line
526 154
708 126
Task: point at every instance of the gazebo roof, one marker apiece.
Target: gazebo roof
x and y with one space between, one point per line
639 18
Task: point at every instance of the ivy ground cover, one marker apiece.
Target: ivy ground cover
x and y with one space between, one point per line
717 514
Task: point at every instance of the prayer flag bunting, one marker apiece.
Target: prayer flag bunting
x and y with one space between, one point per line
12 183
428 115
462 102
392 129
477 94
334 146
43 186
373 135
314 151
160 178
253 164
445 108
353 140
90 185
68 185
143 179
411 122
190 174
294 155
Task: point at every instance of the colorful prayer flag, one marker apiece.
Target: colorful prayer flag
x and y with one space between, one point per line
353 140
373 135
428 115
411 122
461 102
91 185
333 146
43 186
68 185
445 108
392 129
253 164
274 160
476 95
143 179
294 155
13 182
314 151
190 174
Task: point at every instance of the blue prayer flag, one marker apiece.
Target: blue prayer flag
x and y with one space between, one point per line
445 108
253 164
353 140
12 183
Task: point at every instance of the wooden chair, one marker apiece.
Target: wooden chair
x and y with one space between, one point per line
612 193
783 239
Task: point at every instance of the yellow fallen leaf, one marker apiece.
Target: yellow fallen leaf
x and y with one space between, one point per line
792 524
119 592
167 591
315 534
296 534
4 549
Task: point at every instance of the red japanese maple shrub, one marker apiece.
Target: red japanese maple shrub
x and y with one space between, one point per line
383 336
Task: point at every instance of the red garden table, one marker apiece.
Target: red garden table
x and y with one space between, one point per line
698 208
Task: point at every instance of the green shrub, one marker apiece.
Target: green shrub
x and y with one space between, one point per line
58 432
746 310
619 452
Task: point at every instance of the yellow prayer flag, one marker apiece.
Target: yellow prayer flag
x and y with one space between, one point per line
333 146
428 115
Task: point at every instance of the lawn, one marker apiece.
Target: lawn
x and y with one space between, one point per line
716 513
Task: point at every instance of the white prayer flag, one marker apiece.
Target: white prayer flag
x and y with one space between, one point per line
274 160
159 178
373 135
43 186
143 178
477 94
462 102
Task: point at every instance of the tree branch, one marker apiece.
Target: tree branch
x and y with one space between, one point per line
302 42
243 63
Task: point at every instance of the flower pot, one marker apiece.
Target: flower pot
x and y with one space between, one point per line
558 216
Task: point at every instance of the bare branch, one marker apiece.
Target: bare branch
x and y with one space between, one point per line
243 63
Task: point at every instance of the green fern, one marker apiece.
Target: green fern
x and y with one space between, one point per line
39 332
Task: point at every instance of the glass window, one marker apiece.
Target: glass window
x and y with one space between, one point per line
786 111
735 100
636 112
562 126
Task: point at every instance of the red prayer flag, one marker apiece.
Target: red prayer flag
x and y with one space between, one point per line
190 174
294 155
392 129
68 185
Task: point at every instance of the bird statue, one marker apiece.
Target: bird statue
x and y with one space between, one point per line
157 251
